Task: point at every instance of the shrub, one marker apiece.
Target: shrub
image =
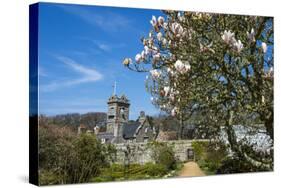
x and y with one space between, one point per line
163 155
209 155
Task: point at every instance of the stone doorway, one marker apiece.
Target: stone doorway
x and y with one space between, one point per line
190 154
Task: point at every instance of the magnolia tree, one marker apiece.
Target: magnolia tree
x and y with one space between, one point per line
216 65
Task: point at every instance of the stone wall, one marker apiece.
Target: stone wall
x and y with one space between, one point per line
140 152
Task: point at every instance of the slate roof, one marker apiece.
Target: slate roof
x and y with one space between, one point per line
105 135
129 129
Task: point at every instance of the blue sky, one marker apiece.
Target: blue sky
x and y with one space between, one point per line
81 49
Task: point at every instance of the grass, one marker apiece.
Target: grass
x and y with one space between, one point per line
117 172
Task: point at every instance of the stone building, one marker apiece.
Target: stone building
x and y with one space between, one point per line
124 133
119 129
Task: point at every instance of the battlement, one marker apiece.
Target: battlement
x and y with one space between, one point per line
115 99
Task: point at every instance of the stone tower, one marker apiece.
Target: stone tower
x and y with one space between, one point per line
118 114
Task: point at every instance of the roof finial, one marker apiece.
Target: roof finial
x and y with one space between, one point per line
114 88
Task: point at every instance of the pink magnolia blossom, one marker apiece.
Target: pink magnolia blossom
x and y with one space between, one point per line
138 58
251 36
228 37
155 73
161 20
238 46
264 47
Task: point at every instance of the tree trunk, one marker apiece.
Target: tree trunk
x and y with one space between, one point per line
180 132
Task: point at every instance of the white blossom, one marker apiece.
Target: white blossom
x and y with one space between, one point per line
159 36
166 90
177 29
146 50
127 61
228 37
165 25
138 58
155 73
179 65
251 36
156 57
174 111
182 67
153 21
164 41
238 46
264 47
161 20
172 97
143 54
187 66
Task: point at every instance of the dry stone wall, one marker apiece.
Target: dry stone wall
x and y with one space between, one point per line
141 153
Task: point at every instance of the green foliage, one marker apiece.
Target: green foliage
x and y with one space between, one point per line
48 177
117 172
235 165
163 154
209 156
65 157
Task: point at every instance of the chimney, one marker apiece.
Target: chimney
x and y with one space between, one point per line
142 117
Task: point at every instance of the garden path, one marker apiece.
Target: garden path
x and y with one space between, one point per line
191 169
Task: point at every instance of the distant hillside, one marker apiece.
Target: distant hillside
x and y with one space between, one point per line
90 119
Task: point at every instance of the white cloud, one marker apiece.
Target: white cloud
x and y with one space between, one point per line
86 75
108 21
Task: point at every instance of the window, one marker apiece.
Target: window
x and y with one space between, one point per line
103 140
111 117
145 139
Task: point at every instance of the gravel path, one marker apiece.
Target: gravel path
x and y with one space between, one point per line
191 169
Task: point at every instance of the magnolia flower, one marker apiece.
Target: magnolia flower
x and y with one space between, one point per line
156 57
161 20
166 90
159 36
228 37
165 25
238 46
179 65
138 58
153 21
264 47
251 36
143 55
127 61
174 111
164 41
177 29
182 67
150 43
172 97
155 73
146 50
151 98
187 67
